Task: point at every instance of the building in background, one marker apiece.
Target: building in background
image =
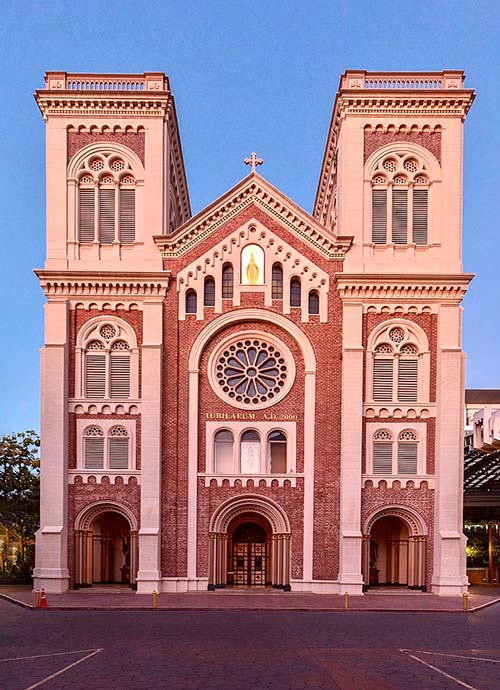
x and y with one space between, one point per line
482 485
254 395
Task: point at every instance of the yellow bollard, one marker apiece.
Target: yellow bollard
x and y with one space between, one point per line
37 598
155 599
466 601
346 600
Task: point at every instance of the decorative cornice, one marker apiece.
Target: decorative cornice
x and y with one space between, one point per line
355 287
70 104
253 190
103 284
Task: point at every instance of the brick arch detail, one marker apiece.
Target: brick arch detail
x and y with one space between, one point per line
250 503
85 517
414 521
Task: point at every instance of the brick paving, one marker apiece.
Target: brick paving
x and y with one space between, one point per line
250 650
119 598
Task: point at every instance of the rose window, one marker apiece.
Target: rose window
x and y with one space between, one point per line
252 371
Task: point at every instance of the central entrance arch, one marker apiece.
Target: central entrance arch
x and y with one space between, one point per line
249 547
249 544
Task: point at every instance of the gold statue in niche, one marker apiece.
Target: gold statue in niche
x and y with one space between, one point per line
252 271
252 265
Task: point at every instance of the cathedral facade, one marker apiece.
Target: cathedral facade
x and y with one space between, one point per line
254 395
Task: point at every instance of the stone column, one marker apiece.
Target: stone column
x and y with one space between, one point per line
133 558
350 578
149 574
449 569
51 569
365 559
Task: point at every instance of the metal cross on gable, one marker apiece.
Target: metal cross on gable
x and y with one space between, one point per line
253 161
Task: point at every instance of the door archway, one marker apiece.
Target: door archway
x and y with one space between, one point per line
105 546
394 549
249 544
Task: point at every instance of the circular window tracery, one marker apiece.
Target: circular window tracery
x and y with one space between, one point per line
107 331
397 335
252 372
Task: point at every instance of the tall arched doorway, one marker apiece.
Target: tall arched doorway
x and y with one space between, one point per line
105 547
249 544
394 547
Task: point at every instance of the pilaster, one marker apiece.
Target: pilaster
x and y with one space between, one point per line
51 570
149 574
350 578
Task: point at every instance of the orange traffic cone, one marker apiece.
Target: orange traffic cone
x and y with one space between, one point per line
43 599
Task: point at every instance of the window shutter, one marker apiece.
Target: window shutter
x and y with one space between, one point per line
87 215
382 458
95 375
106 215
127 216
407 458
382 379
120 376
227 281
94 453
277 282
379 216
420 214
118 453
400 216
407 380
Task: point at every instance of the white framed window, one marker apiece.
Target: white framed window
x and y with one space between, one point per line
400 200
106 200
396 449
106 445
239 448
106 360
398 363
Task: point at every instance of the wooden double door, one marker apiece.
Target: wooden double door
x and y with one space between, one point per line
249 557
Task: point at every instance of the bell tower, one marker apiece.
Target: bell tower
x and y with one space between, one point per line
392 179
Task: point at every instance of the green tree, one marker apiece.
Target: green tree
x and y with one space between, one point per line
20 486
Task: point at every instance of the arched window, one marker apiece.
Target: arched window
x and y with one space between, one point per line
209 292
382 452
223 451
295 292
227 281
395 367
107 364
250 453
101 453
106 200
191 302
118 448
276 452
400 201
313 302
93 448
395 458
407 452
277 281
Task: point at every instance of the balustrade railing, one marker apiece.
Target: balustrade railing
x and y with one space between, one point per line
149 81
402 81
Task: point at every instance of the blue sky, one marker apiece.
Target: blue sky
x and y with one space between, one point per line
246 76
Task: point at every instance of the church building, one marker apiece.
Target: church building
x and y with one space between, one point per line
253 396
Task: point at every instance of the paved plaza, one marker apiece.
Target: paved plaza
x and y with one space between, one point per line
248 650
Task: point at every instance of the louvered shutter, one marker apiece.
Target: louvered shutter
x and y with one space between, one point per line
382 458
106 215
94 453
382 379
127 216
420 214
95 375
120 376
118 453
86 223
407 458
379 216
400 216
407 380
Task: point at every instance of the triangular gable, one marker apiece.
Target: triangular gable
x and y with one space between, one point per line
253 189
